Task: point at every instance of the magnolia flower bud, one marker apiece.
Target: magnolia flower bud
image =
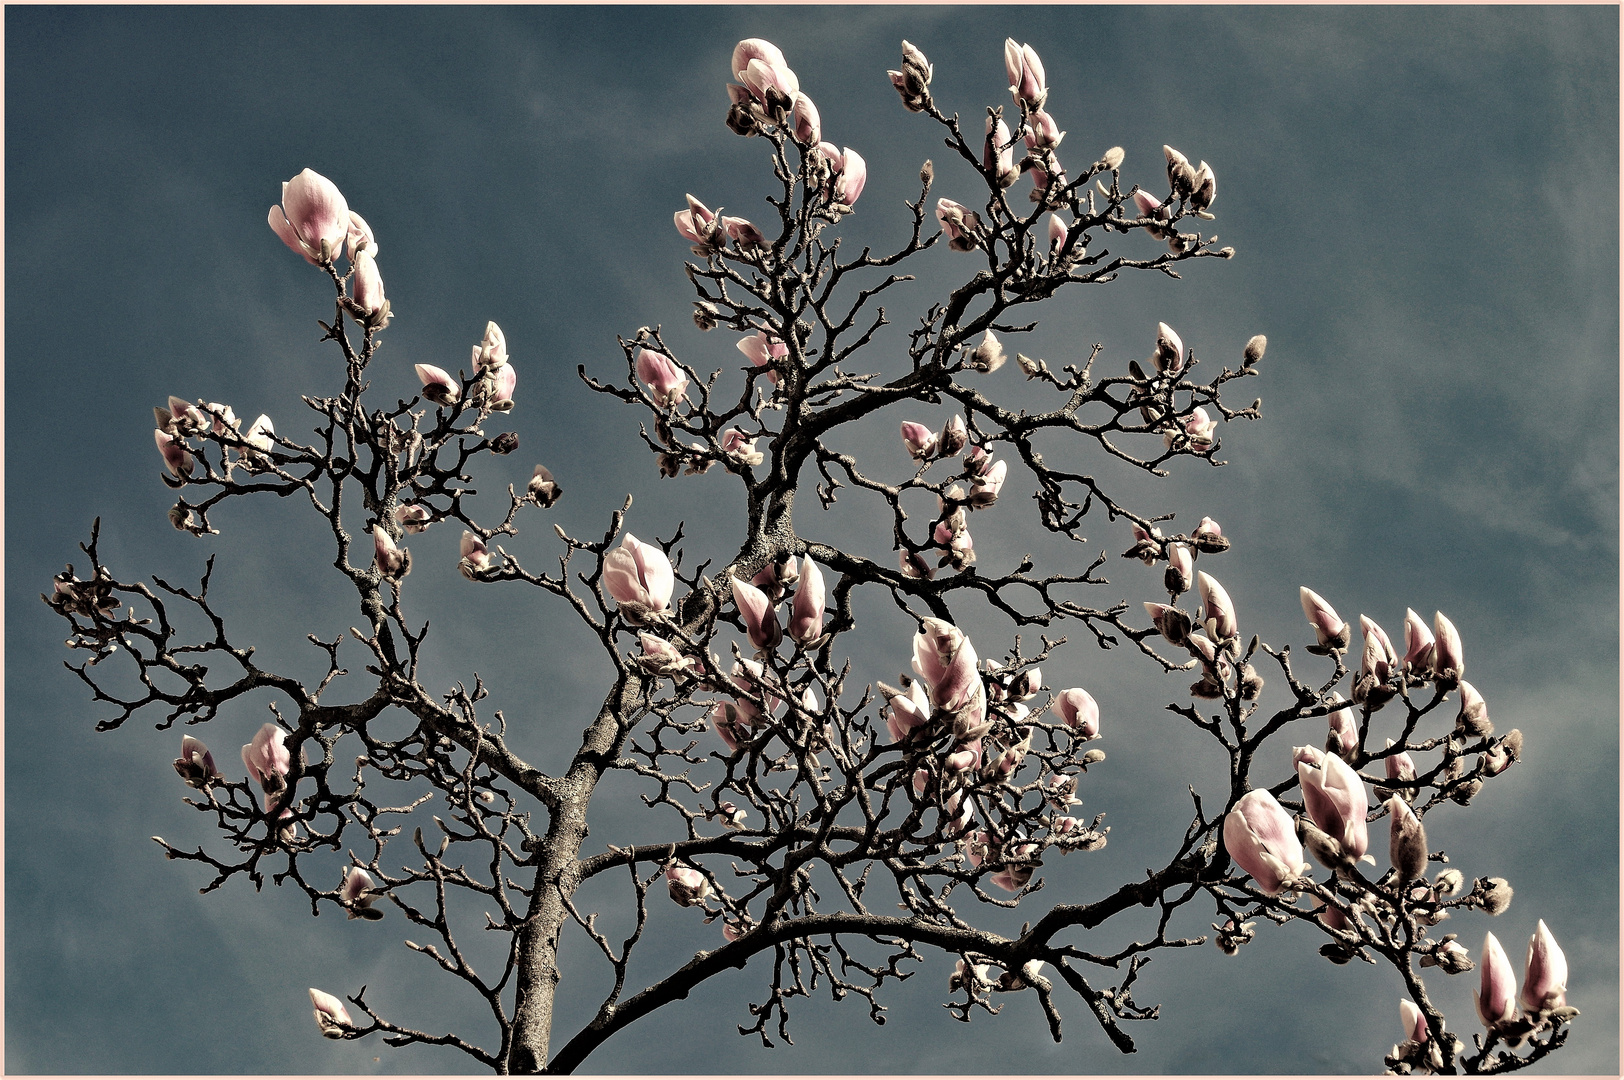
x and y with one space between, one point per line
1331 631
1407 842
267 758
332 1018
1079 711
688 887
1448 660
698 225
1497 894
1334 797
476 558
640 579
984 488
438 386
367 291
1545 974
1169 355
919 439
759 615
808 129
1343 737
1180 173
1173 623
176 457
1057 235
392 562
1218 613
413 517
1203 188
1418 645
1473 719
987 356
314 219
665 380
1180 567
1254 350
1496 995
953 438
195 764
1025 71
997 154
914 565
1112 158
1260 838
806 612
661 658
359 237
543 488
1209 537
959 223
354 892
1415 1024
740 450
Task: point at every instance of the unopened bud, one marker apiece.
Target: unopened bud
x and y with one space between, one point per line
1496 894
505 443
927 172
1112 159
1254 350
1093 757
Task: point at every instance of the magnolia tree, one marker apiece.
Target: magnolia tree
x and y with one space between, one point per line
841 830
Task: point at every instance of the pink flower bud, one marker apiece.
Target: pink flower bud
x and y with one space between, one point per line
687 886
998 155
1448 659
1407 843
331 1017
1400 766
1218 613
1343 738
1328 627
1415 1024
759 615
1025 71
1079 711
806 613
697 224
1379 661
1044 133
1203 188
984 488
919 439
1169 355
355 893
367 288
1545 973
267 758
259 436
495 388
1260 838
944 658
987 356
314 219
195 764
1418 644
740 449
959 223
660 657
1496 996
491 352
906 712
413 517
1057 234
764 351
1180 173
743 233
914 565
476 558
392 562
639 577
176 457
665 380
850 178
438 386
953 438
359 238
808 129
1334 797
1180 567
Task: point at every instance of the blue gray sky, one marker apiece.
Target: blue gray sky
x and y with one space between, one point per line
1424 202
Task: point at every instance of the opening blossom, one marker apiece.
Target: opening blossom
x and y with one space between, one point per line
759 614
1496 995
331 1016
392 562
1334 797
267 758
438 386
1080 711
195 764
314 219
640 578
1026 82
1260 837
355 893
664 379
806 612
1331 631
1545 973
